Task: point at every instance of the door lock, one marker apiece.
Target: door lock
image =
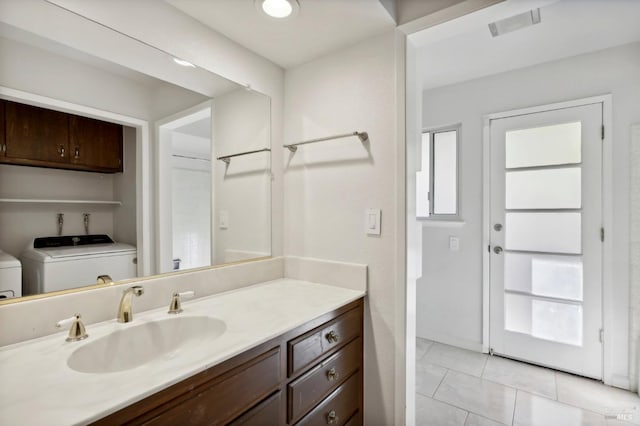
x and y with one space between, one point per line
497 227
497 250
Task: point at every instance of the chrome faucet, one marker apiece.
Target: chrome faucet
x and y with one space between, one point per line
125 314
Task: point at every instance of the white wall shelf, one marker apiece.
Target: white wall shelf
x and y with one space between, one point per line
49 201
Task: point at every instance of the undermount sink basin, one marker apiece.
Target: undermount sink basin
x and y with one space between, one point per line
139 344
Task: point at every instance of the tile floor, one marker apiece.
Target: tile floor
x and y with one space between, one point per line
457 387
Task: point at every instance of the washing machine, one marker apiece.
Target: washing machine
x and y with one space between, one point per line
60 263
10 276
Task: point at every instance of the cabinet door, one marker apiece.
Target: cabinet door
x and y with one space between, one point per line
35 134
95 144
3 147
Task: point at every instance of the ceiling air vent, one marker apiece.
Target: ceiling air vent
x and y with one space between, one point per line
515 22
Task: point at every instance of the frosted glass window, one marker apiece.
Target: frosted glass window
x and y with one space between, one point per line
445 164
544 146
544 275
422 178
437 175
548 320
544 189
544 232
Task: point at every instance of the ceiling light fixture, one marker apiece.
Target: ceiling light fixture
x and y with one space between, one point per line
278 8
515 22
183 62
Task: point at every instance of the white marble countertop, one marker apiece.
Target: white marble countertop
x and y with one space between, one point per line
37 387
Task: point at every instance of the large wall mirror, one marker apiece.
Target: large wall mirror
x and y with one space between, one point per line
193 188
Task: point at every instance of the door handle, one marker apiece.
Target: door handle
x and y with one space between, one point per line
497 250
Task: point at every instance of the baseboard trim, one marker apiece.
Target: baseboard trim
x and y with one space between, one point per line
452 341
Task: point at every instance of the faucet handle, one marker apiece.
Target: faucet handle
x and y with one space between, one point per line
76 331
174 306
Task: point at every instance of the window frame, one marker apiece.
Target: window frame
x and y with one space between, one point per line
440 217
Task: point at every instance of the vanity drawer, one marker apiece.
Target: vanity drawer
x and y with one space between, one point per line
339 407
265 413
313 386
306 349
355 420
228 397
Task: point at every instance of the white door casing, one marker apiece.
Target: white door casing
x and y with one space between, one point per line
547 195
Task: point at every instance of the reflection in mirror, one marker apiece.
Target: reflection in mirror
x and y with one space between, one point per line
169 204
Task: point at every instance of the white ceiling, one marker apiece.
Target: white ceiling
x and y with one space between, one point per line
321 26
464 49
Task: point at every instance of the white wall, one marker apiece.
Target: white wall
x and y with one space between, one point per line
329 185
21 223
450 292
634 308
242 188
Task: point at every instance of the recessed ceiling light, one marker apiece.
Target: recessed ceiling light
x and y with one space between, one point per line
515 22
278 8
183 62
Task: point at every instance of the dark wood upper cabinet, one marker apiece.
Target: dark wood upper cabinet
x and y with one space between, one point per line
95 143
45 138
36 134
2 137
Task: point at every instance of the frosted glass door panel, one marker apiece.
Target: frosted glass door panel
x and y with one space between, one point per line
559 322
544 146
543 319
543 232
544 189
445 170
544 275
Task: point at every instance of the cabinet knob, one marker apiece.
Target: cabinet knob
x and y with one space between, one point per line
332 375
332 418
77 153
332 336
61 151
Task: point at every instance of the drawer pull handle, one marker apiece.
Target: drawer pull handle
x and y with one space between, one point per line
332 336
332 375
332 418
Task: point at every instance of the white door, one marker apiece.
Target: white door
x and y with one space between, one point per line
545 238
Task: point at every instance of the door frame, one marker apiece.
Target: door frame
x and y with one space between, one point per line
162 193
607 218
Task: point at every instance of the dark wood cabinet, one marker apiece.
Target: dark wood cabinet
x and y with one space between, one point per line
45 138
95 143
262 387
36 136
3 145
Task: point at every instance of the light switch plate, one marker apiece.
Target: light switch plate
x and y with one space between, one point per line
454 243
372 221
223 219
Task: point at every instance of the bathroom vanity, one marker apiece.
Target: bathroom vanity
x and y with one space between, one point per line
310 375
282 352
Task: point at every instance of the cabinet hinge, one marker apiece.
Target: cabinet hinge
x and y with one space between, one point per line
602 132
601 234
601 335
